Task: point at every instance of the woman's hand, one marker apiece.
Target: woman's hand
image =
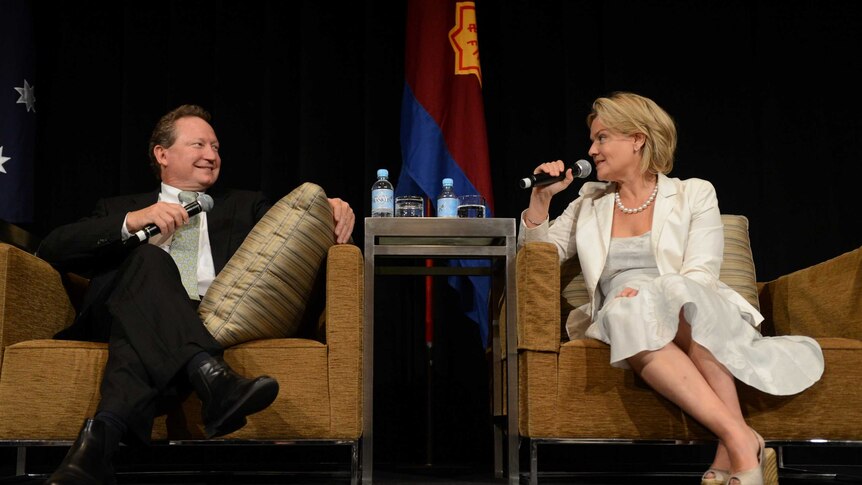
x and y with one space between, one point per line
540 198
554 169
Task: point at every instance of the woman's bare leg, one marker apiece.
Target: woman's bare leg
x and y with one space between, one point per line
717 376
673 374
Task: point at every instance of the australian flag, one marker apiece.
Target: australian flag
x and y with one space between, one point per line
443 121
17 111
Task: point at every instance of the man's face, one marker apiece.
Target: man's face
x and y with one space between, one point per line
193 161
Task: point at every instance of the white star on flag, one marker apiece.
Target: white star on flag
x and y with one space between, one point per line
28 96
3 160
17 118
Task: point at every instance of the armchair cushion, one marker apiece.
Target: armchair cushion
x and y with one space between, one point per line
823 300
264 289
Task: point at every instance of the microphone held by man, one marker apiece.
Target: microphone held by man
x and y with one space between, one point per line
204 203
580 169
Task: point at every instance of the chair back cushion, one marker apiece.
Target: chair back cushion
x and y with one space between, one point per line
822 300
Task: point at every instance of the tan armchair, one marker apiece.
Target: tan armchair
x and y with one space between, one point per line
320 378
569 392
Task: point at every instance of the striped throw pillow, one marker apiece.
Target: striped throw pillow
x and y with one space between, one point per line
737 267
264 289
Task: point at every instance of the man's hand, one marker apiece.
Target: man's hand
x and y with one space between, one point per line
344 219
167 216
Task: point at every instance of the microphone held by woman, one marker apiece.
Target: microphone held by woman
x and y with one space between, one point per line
580 169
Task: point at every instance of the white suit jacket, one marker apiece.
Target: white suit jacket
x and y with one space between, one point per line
687 236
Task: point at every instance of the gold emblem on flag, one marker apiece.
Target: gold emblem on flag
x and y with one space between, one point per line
465 40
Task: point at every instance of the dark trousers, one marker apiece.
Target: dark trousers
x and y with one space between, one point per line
153 330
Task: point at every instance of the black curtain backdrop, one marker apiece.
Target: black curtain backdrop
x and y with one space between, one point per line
765 95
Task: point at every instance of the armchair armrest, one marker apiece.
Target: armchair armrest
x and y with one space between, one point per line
538 283
344 313
823 300
33 301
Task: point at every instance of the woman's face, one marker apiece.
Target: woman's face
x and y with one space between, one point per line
616 156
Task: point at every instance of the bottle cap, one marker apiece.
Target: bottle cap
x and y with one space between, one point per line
447 181
382 172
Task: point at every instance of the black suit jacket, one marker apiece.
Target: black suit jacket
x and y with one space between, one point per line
93 247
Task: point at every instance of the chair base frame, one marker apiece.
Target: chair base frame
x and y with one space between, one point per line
354 473
532 476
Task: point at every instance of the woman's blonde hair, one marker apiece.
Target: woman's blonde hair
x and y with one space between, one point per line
629 114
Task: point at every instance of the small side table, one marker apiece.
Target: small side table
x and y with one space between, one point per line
436 238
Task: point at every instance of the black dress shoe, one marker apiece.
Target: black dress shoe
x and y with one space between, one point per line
227 397
88 461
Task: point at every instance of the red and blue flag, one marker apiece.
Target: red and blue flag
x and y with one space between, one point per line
443 121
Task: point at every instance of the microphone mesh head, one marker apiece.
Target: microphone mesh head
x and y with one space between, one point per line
206 202
584 169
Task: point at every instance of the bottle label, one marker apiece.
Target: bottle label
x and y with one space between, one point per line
447 207
382 200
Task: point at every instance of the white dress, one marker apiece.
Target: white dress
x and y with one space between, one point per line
648 321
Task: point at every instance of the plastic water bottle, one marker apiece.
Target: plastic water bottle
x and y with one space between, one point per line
447 201
382 195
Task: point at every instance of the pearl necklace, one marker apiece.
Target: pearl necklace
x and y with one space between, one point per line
626 210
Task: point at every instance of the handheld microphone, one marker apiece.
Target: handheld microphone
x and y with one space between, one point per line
580 169
204 203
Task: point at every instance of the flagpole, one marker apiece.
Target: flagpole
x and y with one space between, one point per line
429 346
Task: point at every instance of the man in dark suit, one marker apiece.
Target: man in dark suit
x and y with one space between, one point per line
144 304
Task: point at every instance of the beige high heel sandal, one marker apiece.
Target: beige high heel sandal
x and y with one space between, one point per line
719 477
766 473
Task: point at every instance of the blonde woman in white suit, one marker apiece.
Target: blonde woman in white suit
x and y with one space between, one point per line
650 248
